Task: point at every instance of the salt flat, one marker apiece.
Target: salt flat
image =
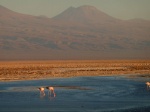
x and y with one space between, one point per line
29 70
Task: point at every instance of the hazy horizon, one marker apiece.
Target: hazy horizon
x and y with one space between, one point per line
122 9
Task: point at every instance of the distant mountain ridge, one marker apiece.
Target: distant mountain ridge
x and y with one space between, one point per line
77 33
84 15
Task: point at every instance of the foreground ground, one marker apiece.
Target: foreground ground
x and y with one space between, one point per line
26 70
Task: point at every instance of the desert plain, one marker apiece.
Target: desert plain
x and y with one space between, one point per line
33 70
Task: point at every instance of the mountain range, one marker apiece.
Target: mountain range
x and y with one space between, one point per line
77 33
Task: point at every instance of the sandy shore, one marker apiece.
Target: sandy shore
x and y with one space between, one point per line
30 70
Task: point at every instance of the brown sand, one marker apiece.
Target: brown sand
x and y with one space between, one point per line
30 70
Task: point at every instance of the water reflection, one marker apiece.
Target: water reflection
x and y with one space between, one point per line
93 94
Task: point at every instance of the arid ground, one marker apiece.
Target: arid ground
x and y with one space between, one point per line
30 70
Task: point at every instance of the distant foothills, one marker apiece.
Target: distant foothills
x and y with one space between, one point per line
77 33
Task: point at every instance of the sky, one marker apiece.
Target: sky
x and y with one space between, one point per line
122 9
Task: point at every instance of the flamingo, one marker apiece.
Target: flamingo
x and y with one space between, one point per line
51 90
42 93
148 85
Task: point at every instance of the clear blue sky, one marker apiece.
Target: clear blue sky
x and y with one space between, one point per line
123 9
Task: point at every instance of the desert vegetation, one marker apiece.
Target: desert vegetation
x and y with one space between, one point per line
30 70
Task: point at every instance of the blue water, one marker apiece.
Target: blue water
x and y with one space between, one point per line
89 94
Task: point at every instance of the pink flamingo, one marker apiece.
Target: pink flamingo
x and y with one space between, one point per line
148 85
51 90
42 93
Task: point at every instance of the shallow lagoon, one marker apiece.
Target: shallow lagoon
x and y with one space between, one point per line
79 94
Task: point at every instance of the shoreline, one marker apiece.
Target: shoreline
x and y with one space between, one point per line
35 70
